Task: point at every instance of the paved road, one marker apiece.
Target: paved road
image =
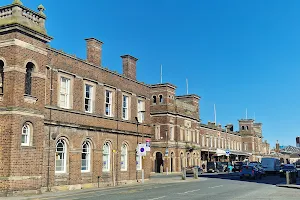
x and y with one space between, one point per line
212 187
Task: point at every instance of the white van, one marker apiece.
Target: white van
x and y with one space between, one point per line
271 165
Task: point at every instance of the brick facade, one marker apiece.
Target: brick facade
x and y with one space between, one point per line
23 43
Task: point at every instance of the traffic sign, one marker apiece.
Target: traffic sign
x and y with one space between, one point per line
227 152
147 145
141 149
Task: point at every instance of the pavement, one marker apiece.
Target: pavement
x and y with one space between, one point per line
167 187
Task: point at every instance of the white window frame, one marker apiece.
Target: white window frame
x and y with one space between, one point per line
157 132
124 157
125 107
90 99
26 134
65 95
171 133
87 159
138 160
108 106
63 157
141 110
106 157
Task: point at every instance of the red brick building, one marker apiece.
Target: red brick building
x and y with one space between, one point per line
64 120
180 139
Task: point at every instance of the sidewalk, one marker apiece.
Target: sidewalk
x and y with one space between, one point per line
294 186
154 179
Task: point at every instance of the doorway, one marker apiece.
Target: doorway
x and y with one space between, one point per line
172 160
158 161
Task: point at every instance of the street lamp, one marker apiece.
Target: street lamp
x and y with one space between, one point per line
137 140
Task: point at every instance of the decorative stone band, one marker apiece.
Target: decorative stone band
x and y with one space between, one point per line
19 178
17 112
20 43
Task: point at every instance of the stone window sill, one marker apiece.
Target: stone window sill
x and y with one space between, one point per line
27 147
30 99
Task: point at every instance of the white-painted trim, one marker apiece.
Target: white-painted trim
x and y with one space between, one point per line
20 43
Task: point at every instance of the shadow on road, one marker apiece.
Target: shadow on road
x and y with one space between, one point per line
268 179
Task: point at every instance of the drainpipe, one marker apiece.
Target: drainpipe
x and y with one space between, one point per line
49 133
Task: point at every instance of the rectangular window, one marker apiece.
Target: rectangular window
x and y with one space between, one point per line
125 107
222 143
219 143
138 162
88 99
64 92
181 134
203 140
215 142
157 132
194 136
211 142
141 110
124 158
197 137
108 103
207 141
171 133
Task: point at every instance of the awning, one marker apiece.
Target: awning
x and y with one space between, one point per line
220 152
239 153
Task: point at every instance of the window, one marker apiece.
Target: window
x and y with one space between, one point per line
25 135
86 157
181 134
124 157
29 69
219 142
138 162
222 143
194 136
215 139
211 142
161 99
106 157
88 100
108 103
125 107
197 137
60 158
64 92
243 127
207 141
154 99
157 132
141 110
203 140
1 76
171 133
247 127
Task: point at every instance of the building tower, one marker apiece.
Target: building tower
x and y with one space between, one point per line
23 60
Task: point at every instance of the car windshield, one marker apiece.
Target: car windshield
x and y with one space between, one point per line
288 167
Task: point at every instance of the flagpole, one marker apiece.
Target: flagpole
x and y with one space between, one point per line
215 112
161 73
187 87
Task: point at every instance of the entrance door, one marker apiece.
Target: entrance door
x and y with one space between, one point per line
158 161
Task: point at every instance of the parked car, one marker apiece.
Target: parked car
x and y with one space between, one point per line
250 172
297 164
270 165
214 167
238 166
288 168
259 167
190 170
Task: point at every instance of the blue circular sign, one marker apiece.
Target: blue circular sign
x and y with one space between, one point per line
142 149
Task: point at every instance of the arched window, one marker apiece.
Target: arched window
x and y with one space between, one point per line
243 127
26 130
124 157
106 157
86 157
247 127
1 76
60 158
154 99
29 69
161 99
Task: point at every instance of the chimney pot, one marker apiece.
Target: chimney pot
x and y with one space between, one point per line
94 51
129 66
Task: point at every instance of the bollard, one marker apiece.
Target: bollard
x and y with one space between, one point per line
98 181
287 178
195 173
143 175
183 174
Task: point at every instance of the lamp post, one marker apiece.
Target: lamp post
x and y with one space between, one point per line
167 151
137 139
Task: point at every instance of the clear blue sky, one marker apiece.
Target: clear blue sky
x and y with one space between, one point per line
236 54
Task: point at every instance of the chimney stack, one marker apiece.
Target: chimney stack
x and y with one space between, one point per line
129 66
94 51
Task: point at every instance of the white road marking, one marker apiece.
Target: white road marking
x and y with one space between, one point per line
216 186
158 198
189 191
